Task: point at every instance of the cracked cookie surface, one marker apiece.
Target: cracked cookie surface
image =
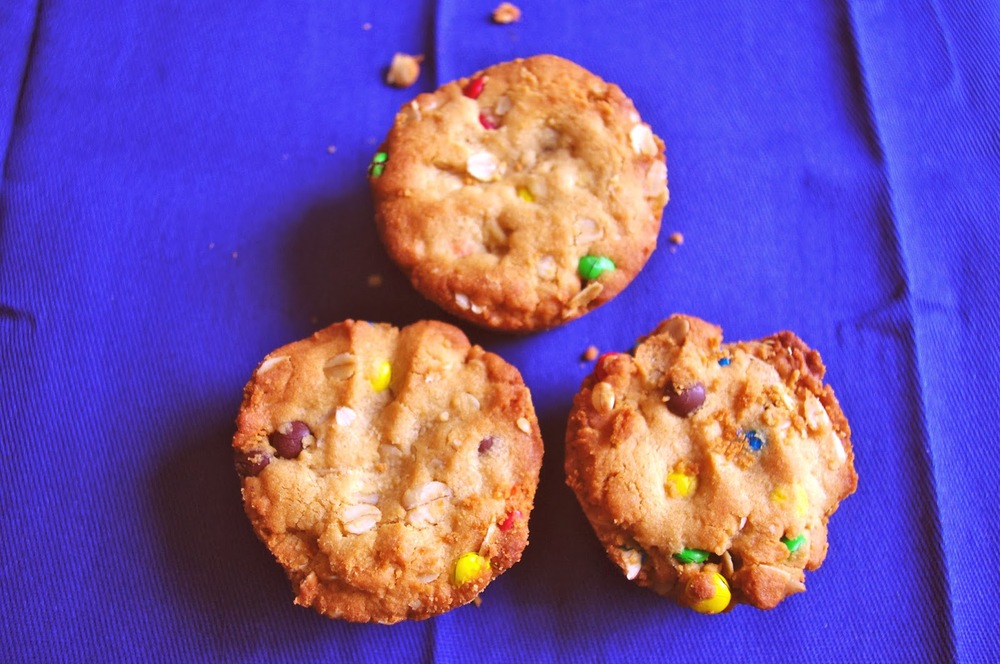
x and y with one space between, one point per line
709 471
521 197
390 472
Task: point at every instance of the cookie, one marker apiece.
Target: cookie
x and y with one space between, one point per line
390 472
521 197
709 471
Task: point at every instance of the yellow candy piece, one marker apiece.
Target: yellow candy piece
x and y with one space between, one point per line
719 601
525 195
796 493
469 567
382 375
681 484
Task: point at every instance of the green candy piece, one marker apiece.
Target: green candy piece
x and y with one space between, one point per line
591 267
378 164
794 543
692 556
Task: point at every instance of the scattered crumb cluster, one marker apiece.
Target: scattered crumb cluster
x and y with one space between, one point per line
404 70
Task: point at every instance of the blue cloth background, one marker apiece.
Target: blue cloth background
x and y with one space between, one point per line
170 212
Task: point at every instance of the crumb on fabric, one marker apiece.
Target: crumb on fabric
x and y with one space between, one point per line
366 26
374 280
404 70
591 353
505 13
478 601
330 149
676 239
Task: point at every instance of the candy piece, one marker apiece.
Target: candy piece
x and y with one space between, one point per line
754 440
591 267
681 484
469 567
287 440
377 164
686 401
708 593
382 375
486 443
800 498
692 556
601 369
487 121
251 463
795 543
724 362
474 88
508 523
525 195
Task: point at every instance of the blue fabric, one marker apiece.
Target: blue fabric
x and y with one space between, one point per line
183 190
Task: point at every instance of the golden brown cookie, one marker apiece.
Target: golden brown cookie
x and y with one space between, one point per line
521 197
390 472
709 470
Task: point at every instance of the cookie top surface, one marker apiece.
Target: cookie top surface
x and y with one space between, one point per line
390 472
701 464
490 191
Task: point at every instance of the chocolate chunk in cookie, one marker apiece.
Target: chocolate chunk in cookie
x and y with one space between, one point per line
521 197
709 471
390 472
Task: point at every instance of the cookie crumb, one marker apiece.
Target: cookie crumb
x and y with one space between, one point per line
404 70
478 601
590 354
235 255
374 280
676 239
366 26
330 149
505 13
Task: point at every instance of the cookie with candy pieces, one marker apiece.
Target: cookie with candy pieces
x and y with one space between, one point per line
521 197
709 471
391 472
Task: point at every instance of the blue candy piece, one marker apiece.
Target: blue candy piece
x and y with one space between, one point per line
724 362
754 440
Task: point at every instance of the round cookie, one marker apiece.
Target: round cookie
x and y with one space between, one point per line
709 470
521 197
390 472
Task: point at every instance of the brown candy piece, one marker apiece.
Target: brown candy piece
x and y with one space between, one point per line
686 401
251 463
486 443
287 440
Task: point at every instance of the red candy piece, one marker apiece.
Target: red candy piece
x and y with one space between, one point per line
474 88
600 369
509 521
486 121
